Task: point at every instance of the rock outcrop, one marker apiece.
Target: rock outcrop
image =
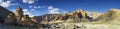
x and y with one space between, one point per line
18 18
19 14
78 16
47 18
26 21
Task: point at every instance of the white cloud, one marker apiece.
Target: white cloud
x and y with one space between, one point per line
30 12
36 6
39 7
27 12
29 1
30 6
53 10
63 11
1 1
7 3
13 10
50 7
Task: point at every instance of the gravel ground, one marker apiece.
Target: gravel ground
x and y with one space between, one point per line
68 26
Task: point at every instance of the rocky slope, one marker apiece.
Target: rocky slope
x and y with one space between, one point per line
85 26
3 14
112 16
93 15
76 16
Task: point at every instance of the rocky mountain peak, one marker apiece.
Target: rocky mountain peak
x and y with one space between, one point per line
19 9
79 10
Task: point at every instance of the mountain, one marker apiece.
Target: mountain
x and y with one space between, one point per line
76 16
93 14
112 16
3 13
46 18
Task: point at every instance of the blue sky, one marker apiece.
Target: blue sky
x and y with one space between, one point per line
41 7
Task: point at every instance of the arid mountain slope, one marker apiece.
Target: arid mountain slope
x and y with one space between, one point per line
113 16
76 16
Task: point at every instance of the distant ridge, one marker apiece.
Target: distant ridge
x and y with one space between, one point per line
76 16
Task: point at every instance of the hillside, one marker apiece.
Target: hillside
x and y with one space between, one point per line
3 13
112 16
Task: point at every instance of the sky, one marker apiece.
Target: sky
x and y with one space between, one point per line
42 7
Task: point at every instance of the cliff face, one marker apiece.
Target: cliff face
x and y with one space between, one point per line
46 18
3 14
76 16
